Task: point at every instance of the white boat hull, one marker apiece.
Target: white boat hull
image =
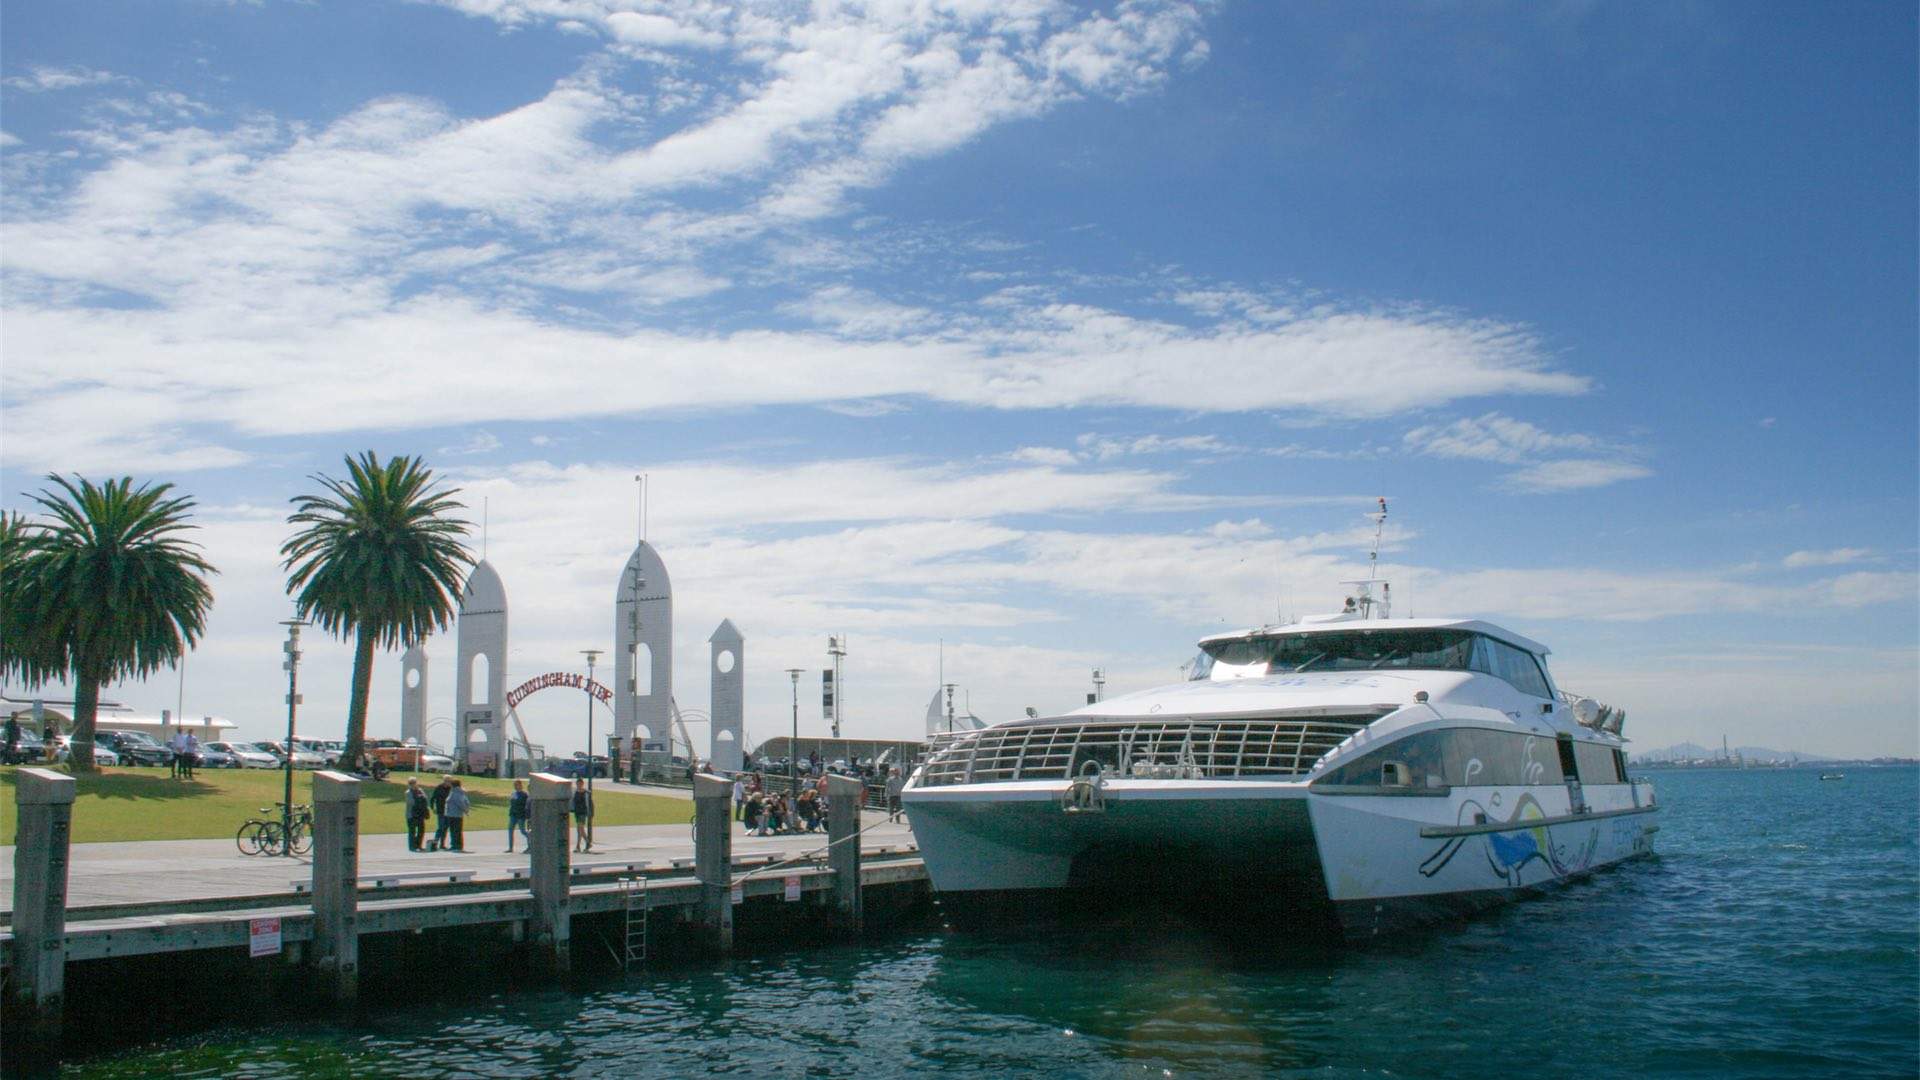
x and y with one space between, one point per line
1368 862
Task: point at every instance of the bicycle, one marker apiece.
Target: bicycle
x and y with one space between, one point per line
270 836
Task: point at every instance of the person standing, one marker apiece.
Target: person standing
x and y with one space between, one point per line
895 785
438 800
457 806
13 739
519 809
739 799
192 757
417 810
178 744
633 758
582 817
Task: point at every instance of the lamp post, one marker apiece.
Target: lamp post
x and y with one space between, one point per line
793 748
293 703
591 655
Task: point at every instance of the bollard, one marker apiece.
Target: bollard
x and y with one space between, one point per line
336 886
713 857
843 852
551 934
36 988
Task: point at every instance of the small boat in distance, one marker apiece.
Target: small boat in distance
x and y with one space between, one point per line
1353 771
1833 776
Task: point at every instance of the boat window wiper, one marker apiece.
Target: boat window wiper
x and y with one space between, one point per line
1316 658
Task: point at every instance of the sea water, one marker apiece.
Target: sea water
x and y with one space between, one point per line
1774 935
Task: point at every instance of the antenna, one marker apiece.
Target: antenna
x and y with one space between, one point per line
640 507
1379 525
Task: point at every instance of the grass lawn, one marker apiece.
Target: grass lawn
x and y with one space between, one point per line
147 804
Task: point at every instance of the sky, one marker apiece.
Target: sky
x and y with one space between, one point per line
1007 339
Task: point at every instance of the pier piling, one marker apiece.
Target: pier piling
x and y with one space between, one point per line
43 801
713 857
843 851
336 886
551 934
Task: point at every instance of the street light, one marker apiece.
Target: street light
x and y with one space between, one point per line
591 655
293 703
793 748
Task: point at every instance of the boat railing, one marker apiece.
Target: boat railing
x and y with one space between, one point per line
1174 748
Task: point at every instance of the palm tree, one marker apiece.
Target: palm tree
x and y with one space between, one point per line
105 590
378 557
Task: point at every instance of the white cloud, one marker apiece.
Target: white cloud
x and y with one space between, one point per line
1494 437
480 442
1502 439
40 78
1573 474
1829 557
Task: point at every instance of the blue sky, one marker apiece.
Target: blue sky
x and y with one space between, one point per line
1064 334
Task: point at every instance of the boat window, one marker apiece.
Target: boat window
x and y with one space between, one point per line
1350 650
1597 763
1474 757
1515 665
1201 668
1620 765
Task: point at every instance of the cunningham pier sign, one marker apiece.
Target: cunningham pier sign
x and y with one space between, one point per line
557 678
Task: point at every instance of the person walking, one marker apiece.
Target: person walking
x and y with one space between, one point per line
417 811
582 817
457 806
519 809
739 799
438 800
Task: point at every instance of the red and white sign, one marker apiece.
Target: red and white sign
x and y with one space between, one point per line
793 887
558 678
263 937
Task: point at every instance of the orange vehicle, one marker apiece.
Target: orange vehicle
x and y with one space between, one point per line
395 754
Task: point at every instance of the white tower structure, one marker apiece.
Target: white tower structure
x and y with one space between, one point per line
643 649
481 680
413 693
726 712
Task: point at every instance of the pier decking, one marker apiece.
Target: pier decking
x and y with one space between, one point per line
89 903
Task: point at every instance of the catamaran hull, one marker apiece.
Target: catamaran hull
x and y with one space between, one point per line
1242 853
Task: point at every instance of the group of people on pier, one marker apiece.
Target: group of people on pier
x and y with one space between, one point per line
767 813
449 805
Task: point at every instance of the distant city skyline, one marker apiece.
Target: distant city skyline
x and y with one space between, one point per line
1038 336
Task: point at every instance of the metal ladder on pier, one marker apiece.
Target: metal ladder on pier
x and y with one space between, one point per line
633 892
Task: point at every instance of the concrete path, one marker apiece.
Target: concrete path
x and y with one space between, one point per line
152 871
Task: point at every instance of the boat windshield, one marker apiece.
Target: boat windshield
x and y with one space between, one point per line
1351 650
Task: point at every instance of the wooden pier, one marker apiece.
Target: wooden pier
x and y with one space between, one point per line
320 924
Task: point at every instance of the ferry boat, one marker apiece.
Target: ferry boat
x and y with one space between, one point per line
1354 768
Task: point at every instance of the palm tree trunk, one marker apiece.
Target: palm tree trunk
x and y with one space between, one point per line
357 702
86 708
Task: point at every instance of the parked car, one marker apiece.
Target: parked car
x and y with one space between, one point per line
135 747
302 758
246 755
29 749
575 767
213 758
329 752
102 755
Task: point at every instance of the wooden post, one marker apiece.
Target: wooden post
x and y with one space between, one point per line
843 852
36 998
713 857
551 934
336 885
